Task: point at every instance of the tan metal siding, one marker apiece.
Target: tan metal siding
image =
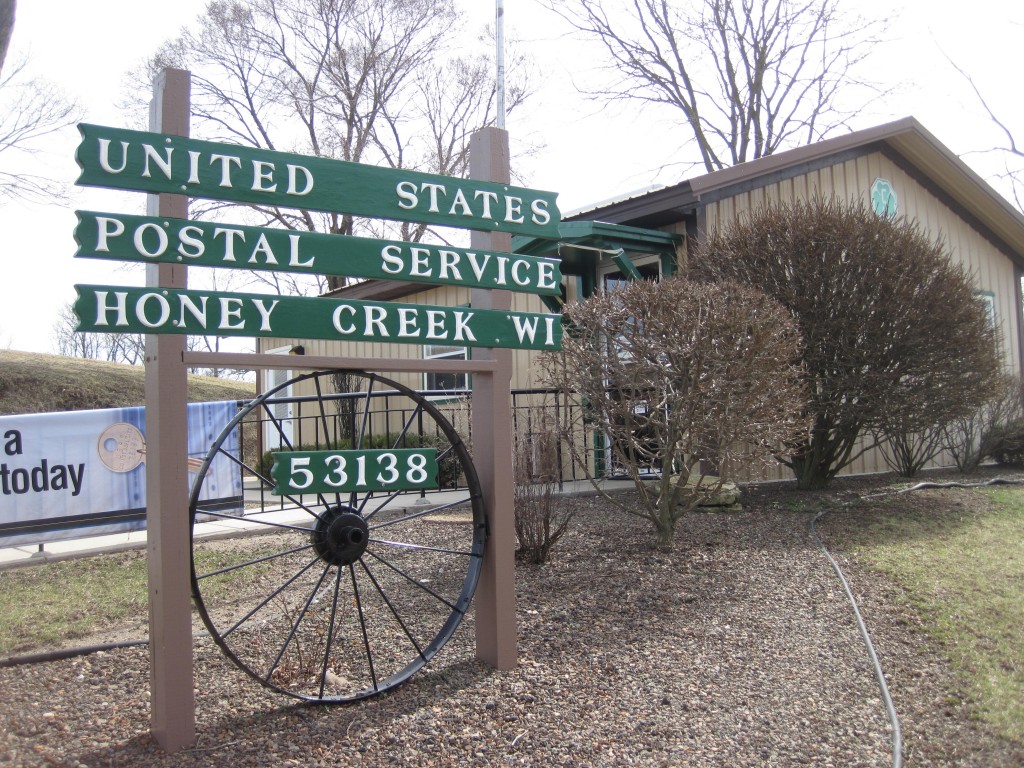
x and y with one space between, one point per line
991 270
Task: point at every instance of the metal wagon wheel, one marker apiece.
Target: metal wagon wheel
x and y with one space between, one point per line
350 594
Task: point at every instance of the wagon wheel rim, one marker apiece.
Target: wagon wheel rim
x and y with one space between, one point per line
354 593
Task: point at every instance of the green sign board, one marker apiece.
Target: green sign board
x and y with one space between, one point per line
152 162
210 244
398 469
113 309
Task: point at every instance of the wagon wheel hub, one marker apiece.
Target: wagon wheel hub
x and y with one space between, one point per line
340 536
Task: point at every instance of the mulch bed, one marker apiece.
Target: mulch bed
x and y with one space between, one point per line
737 648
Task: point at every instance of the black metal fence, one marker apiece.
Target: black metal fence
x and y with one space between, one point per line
540 418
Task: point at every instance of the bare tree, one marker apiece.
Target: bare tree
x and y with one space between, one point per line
1011 151
369 81
686 380
973 437
30 110
129 348
748 76
894 337
7 10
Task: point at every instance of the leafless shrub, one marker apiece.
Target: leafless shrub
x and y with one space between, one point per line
684 379
975 437
894 337
542 514
906 453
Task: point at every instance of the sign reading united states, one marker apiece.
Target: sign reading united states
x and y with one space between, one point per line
118 158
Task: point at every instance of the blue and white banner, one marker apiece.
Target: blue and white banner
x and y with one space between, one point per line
83 473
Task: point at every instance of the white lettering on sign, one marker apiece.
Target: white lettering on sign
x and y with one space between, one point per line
452 200
147 239
445 264
320 471
371 322
166 310
258 176
104 158
526 328
107 228
152 240
154 310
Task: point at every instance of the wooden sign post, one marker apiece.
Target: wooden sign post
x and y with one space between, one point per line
496 634
172 699
171 165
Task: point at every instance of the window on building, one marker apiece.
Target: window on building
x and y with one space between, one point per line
612 277
989 300
449 381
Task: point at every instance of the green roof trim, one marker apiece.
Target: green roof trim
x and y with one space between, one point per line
581 243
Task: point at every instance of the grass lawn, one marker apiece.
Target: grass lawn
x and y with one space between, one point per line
37 383
46 605
962 566
51 605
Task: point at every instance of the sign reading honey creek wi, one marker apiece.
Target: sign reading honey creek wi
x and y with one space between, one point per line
212 244
397 469
112 309
153 162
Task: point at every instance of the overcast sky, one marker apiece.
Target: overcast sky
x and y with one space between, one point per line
590 155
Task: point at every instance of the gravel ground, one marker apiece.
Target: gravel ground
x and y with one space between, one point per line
738 648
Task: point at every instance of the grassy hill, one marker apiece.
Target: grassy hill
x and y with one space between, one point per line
37 383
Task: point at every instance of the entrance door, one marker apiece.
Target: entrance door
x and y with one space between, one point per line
611 278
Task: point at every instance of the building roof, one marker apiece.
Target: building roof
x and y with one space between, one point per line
905 141
603 227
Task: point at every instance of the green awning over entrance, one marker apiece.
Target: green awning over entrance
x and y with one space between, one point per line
582 244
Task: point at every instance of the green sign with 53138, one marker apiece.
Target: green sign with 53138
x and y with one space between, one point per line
356 471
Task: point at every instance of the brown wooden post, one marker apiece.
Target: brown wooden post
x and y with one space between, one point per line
172 697
496 634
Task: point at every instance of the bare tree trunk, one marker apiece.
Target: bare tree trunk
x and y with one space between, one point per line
7 8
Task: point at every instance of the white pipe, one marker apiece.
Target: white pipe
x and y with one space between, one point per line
499 56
